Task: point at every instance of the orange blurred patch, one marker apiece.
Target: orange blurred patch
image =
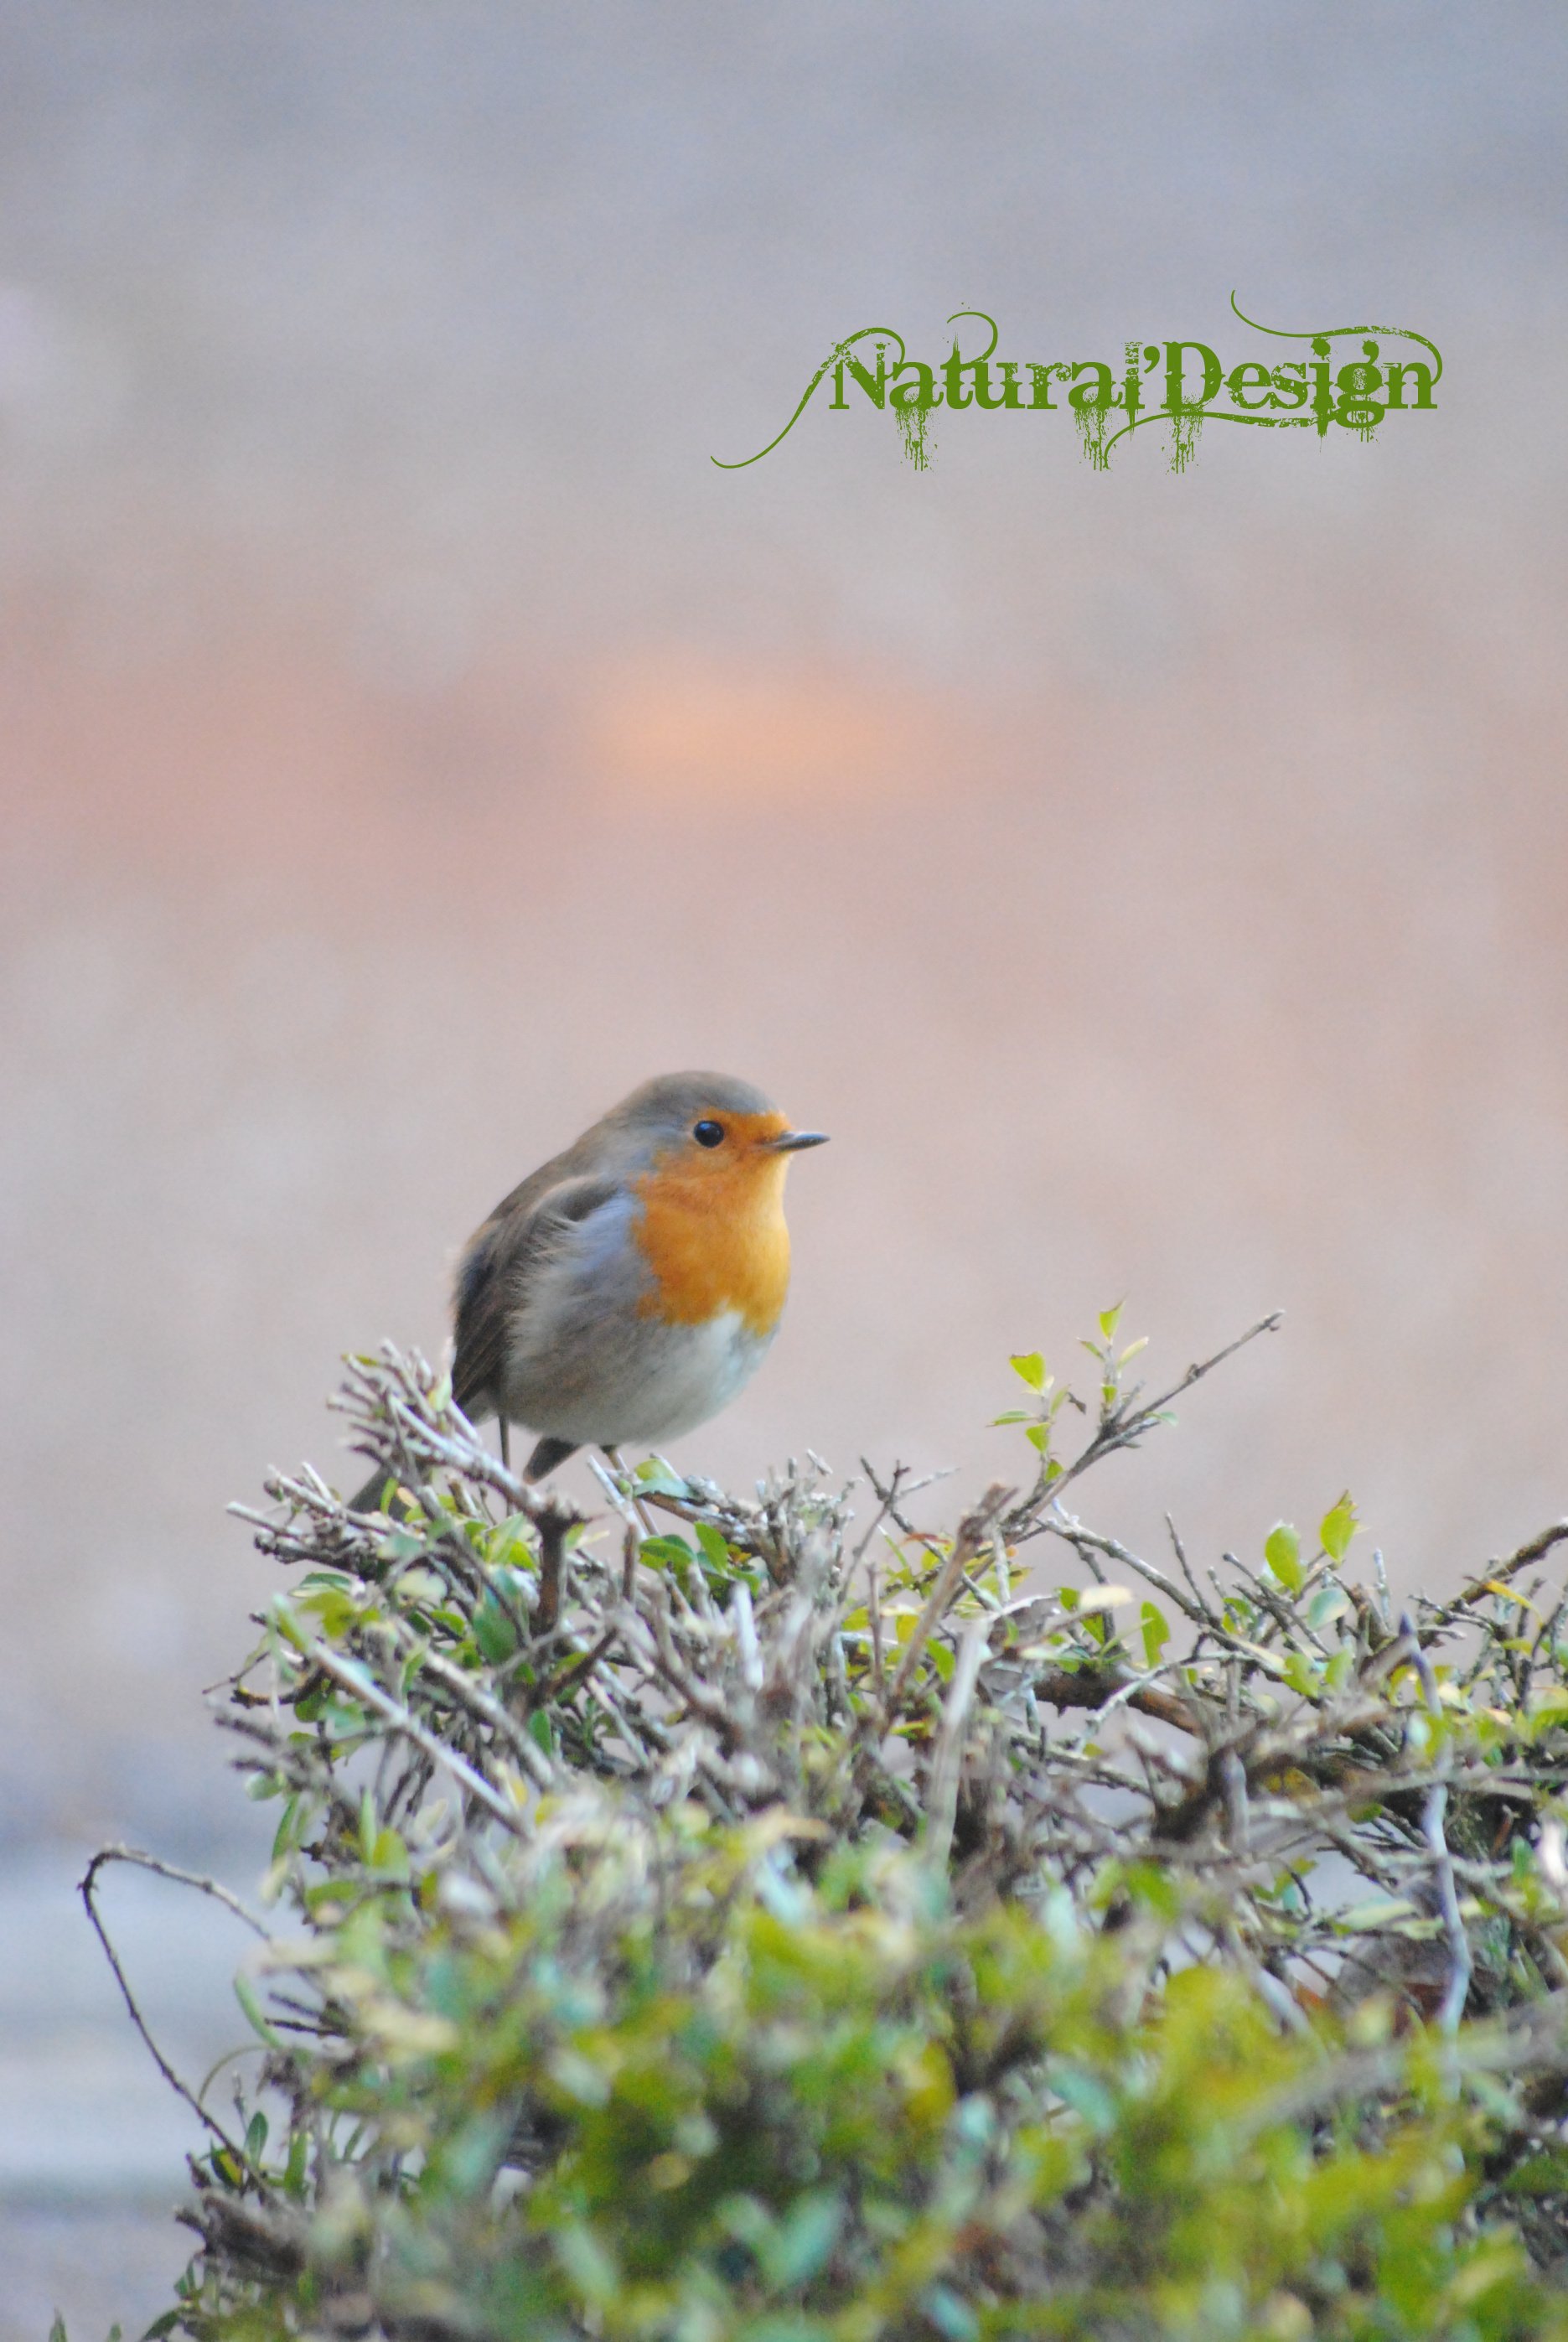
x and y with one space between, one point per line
680 724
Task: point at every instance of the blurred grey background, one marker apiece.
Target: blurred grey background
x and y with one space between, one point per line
410 740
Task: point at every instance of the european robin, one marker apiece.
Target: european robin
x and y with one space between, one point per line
629 1288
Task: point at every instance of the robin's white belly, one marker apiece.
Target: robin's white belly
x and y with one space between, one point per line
635 1379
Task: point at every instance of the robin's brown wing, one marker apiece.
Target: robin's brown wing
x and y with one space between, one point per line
492 1278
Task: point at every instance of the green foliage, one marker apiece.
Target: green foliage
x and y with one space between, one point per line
764 1931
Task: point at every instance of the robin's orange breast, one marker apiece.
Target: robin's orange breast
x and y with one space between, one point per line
714 1236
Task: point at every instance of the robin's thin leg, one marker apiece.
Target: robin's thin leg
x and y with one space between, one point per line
505 1441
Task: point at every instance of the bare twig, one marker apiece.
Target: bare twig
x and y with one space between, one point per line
942 1790
1502 1572
1123 1426
1434 1815
357 1679
972 1533
87 1888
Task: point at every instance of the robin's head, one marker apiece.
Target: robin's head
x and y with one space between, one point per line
712 1129
711 1226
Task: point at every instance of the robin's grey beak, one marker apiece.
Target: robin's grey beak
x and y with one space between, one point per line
790 1142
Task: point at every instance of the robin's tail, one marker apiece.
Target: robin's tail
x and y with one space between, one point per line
368 1498
547 1454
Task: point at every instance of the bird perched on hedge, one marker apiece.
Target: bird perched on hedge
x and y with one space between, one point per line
627 1289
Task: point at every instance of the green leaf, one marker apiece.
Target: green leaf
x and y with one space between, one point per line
1338 1526
389 1855
667 1552
1546 2174
1283 1552
1109 1321
334 1609
1087 2097
245 1994
280 1611
1302 1675
1030 1368
495 1634
470 2158
1157 1632
541 1733
1378 1911
507 1545
715 1546
950 2313
285 1840
658 1478
1147 1884
1328 1602
803 2239
585 2261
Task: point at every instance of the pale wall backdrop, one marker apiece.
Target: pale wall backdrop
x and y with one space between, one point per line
409 740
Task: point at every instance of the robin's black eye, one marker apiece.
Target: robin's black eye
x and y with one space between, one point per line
708 1133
